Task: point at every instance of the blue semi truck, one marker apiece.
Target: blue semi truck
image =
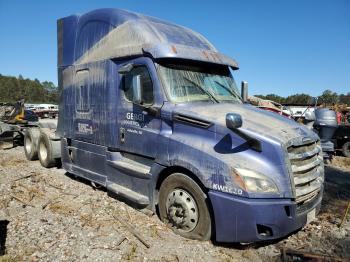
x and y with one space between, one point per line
150 110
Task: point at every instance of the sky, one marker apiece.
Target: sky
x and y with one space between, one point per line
282 47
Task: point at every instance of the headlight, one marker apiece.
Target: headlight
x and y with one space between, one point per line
256 183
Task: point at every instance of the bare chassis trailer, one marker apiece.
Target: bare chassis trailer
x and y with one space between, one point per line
38 138
11 134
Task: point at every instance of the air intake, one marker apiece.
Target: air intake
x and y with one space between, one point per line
192 121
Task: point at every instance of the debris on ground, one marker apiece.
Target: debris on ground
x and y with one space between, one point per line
52 215
341 162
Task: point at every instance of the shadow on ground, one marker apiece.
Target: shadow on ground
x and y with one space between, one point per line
337 186
3 235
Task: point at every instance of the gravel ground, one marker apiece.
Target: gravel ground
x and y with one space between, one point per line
52 216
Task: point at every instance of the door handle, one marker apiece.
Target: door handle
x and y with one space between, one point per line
122 134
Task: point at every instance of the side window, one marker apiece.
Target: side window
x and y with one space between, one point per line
146 84
82 91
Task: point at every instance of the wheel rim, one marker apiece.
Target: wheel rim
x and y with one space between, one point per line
43 151
28 144
182 210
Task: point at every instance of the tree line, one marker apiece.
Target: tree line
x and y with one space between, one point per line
13 89
328 97
33 91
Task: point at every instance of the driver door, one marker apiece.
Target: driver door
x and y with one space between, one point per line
138 129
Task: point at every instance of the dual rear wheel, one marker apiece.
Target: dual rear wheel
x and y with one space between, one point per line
37 145
45 152
31 138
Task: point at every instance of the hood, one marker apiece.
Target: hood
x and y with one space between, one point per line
255 120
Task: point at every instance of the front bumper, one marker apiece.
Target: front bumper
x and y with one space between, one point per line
240 219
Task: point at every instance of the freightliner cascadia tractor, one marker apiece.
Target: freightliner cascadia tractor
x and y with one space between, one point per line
150 110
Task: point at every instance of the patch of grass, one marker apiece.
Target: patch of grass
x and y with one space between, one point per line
87 220
130 255
154 232
7 258
34 191
60 208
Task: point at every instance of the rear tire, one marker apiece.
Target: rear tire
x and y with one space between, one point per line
45 152
346 149
182 203
31 138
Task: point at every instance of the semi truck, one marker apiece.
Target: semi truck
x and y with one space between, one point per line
150 111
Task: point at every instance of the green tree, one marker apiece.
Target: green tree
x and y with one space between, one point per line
344 98
273 97
328 97
12 89
299 99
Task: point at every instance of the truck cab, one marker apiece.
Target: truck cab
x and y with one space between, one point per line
151 111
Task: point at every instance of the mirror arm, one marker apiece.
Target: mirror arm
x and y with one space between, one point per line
152 110
254 143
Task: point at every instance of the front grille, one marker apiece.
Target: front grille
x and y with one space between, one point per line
307 171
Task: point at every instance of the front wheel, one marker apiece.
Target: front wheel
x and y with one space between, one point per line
182 203
346 149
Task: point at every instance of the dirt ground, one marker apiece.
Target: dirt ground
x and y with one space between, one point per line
48 215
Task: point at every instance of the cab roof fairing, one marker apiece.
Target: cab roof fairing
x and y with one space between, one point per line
132 34
189 53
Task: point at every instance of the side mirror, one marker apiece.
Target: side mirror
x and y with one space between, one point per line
233 121
244 91
125 68
136 89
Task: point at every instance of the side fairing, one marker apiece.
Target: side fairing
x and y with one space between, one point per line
88 108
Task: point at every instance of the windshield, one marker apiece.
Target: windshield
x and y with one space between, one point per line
184 83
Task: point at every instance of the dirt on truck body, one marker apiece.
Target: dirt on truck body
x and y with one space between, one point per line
49 215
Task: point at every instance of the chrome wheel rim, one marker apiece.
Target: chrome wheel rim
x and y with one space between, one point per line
182 210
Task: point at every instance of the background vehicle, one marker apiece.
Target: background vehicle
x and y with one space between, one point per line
14 119
270 105
334 134
29 115
342 139
44 110
150 111
19 126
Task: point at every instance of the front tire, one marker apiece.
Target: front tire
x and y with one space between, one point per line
182 203
346 149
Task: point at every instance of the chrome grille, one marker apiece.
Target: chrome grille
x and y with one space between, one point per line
307 170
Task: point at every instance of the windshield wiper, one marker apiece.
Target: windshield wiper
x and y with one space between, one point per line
227 89
210 95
